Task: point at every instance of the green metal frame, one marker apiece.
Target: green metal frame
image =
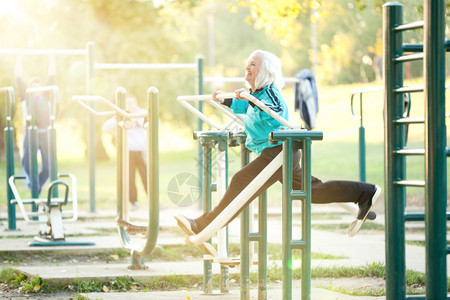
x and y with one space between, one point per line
207 141
296 140
137 256
9 151
396 151
291 140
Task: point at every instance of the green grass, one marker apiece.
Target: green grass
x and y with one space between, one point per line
415 281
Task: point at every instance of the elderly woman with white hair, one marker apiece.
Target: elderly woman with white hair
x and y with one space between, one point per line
264 78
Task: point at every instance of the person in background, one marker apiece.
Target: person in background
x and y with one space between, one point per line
41 114
264 77
137 147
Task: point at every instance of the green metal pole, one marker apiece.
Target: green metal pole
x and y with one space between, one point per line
245 247
362 144
120 102
395 196
53 160
306 219
262 247
199 91
206 195
224 270
32 144
435 150
287 221
90 63
9 151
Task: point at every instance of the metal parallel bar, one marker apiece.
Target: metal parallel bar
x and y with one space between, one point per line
412 47
415 297
242 80
419 47
414 217
143 66
419 216
408 89
409 26
410 151
416 183
283 135
43 51
409 57
420 120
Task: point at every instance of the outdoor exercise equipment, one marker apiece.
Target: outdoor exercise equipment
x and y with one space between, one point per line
125 228
297 139
352 208
219 139
87 53
91 68
94 66
432 52
48 212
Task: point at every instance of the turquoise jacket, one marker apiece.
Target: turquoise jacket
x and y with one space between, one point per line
258 124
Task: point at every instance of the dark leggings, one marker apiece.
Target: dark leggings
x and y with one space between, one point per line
322 192
138 164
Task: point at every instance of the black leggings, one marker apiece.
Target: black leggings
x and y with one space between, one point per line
322 192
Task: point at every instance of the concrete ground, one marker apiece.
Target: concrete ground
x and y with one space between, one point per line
365 248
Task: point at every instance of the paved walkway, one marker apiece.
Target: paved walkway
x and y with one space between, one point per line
364 248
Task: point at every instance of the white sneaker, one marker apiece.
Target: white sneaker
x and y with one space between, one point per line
356 225
134 206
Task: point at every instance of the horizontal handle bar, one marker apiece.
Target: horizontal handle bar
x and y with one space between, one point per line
143 66
409 57
183 100
117 109
418 183
254 236
206 97
212 135
282 135
44 51
241 79
409 89
298 244
409 26
419 47
410 151
298 195
410 121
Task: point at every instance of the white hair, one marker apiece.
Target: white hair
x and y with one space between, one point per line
270 70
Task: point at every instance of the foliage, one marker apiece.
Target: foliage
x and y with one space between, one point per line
224 32
35 285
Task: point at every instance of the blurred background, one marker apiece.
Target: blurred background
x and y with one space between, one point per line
339 40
